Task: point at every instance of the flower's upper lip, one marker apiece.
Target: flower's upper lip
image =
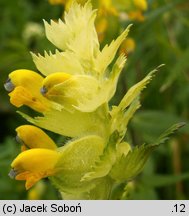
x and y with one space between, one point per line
33 137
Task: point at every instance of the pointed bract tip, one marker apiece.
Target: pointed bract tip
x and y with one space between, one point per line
160 66
181 124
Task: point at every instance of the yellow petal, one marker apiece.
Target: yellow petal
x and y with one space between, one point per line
141 4
34 164
21 96
70 93
31 178
33 137
25 86
128 46
101 26
52 80
106 7
31 181
35 160
23 148
22 176
136 15
26 78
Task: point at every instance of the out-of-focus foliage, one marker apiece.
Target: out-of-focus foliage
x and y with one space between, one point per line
161 38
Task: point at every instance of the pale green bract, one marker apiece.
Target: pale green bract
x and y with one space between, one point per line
60 61
97 157
74 124
77 157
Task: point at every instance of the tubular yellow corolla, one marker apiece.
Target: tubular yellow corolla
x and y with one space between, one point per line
33 137
53 79
136 15
141 4
33 165
128 46
24 87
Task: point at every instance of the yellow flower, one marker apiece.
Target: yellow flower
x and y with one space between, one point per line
33 165
33 137
38 157
101 27
52 80
24 87
141 4
106 8
128 46
136 15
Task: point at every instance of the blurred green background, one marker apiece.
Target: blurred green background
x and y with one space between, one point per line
161 38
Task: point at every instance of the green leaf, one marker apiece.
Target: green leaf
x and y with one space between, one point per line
142 193
117 191
101 190
145 123
132 164
165 135
162 180
180 66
